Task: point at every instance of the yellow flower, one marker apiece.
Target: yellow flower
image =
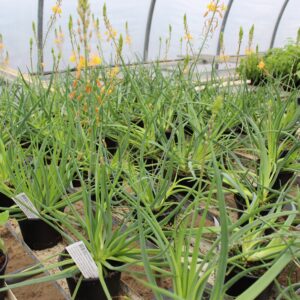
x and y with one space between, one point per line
212 6
111 34
261 65
249 51
114 71
95 60
223 7
1 46
188 37
57 9
73 58
81 63
128 40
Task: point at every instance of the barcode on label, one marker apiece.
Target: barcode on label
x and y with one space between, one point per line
83 259
26 206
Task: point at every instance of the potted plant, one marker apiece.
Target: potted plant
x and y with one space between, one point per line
44 187
6 188
155 191
111 247
259 252
3 256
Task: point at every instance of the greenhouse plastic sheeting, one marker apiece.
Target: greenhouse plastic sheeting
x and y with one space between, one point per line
16 19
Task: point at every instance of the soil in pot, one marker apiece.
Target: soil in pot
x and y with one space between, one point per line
91 289
39 235
243 283
3 264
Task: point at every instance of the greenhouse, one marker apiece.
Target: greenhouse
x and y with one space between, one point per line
149 150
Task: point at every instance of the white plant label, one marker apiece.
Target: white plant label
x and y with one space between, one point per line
83 259
26 206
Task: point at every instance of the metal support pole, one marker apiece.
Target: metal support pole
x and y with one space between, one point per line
40 36
148 30
223 26
285 3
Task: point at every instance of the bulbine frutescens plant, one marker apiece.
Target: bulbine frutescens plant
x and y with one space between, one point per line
43 172
191 271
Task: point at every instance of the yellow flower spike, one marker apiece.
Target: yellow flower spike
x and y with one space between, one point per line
81 63
261 65
73 58
114 71
249 51
56 9
1 46
223 7
212 6
128 40
188 37
95 60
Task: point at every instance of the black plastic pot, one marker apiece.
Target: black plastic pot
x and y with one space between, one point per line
139 123
91 289
284 176
168 135
241 206
5 201
4 261
150 164
161 216
111 145
38 235
282 179
243 283
76 180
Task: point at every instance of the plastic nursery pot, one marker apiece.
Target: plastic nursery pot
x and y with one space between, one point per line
243 283
169 135
188 181
282 179
150 164
241 206
160 216
91 289
110 144
138 122
5 201
284 176
76 183
39 235
3 264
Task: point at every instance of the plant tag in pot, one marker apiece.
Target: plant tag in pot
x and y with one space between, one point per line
83 259
26 206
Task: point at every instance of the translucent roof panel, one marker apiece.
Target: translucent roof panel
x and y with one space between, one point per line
245 13
16 19
119 12
172 12
290 23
